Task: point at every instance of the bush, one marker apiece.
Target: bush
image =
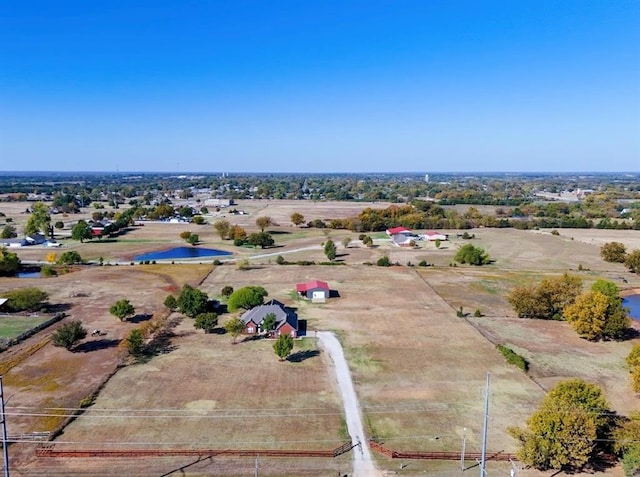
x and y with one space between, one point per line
280 260
477 313
70 258
48 271
69 334
383 261
513 358
25 299
423 263
226 291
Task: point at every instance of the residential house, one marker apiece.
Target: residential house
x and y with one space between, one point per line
286 319
401 236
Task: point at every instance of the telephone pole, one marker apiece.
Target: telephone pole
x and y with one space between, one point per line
483 470
5 448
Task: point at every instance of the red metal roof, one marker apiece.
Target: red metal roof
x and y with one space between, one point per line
303 287
397 230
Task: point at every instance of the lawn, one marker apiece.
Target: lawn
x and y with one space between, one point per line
13 326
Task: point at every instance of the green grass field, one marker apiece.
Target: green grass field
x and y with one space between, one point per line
13 326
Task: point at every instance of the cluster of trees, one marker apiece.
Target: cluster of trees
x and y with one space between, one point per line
595 314
190 237
633 361
616 252
25 299
471 255
195 304
239 235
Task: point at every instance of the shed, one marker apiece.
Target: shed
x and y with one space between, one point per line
314 290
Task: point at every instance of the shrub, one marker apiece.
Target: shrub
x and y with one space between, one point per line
423 263
226 291
48 271
280 260
477 313
513 358
383 261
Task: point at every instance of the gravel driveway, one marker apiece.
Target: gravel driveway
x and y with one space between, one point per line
363 465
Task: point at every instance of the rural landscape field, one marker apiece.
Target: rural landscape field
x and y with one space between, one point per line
418 354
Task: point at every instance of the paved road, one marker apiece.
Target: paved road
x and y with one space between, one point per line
363 465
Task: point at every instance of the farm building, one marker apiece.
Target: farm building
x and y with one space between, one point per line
314 290
433 236
286 319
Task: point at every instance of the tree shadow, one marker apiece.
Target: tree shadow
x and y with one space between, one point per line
95 345
139 318
300 356
58 307
218 331
279 232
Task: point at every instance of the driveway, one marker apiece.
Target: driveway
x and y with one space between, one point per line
363 465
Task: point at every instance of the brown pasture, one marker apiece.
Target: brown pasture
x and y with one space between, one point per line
419 370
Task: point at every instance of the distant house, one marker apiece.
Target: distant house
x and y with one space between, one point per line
35 239
433 236
401 236
286 319
314 290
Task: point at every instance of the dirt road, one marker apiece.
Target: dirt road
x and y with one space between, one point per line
363 465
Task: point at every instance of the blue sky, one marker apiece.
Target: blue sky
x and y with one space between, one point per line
320 86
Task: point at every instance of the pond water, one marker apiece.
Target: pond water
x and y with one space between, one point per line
633 303
29 274
182 253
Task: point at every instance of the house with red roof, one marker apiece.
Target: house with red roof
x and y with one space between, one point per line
314 290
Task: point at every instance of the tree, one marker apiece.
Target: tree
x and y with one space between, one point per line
69 258
633 361
171 302
330 250
383 261
8 231
566 429
81 231
261 239
471 255
367 241
193 239
185 234
346 241
234 327
39 220
632 262
192 301
226 291
122 309
297 219
246 297
263 223
437 243
599 314
237 233
268 323
198 220
135 342
26 299
283 346
613 252
51 257
206 322
548 299
69 334
626 440
9 262
222 227
59 225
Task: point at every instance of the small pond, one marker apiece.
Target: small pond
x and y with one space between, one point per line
181 253
632 302
29 273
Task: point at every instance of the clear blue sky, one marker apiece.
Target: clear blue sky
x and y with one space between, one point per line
320 86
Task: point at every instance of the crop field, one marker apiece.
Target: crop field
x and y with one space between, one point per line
419 370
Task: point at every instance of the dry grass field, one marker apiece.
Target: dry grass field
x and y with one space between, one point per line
419 370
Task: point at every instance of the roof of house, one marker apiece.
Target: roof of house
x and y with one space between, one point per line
312 285
397 230
3 301
283 315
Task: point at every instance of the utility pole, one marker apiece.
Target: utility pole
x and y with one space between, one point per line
5 448
464 445
483 470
